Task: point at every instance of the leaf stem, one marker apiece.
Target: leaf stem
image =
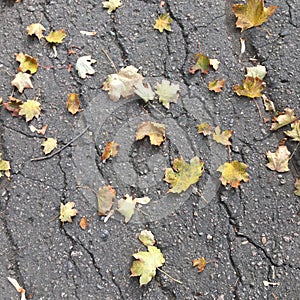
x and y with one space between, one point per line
294 151
169 276
110 60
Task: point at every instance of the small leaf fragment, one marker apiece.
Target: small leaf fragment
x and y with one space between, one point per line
155 131
22 81
4 167
297 187
73 103
147 238
183 174
56 37
214 63
13 105
27 63
15 283
111 150
67 211
251 87
30 109
200 263
36 29
205 129
252 14
269 104
83 223
278 161
112 5
168 92
202 63
295 132
163 22
146 264
49 145
283 119
258 71
39 131
106 196
122 84
222 137
216 85
233 173
144 91
83 66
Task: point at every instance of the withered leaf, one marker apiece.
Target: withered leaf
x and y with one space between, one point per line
111 150
111 5
297 187
222 137
49 145
144 91
13 105
295 132
73 103
27 63
216 85
155 131
22 81
251 87
67 211
106 196
163 22
283 119
205 129
4 167
83 223
279 160
258 71
84 66
147 237
30 109
202 63
36 29
56 37
200 263
168 92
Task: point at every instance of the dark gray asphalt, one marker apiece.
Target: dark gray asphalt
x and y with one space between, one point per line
251 234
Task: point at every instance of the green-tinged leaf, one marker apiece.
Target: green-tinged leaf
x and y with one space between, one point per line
163 22
168 92
202 63
147 238
258 71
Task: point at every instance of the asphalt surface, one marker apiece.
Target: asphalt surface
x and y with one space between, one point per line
249 235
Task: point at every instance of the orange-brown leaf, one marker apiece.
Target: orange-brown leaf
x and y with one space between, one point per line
111 150
84 223
73 103
216 85
200 263
106 196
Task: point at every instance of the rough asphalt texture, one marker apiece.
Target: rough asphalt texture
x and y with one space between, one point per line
250 234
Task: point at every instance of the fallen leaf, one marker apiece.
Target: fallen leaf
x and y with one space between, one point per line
295 132
73 103
251 87
168 92
214 63
183 174
200 263
163 22
233 173
27 63
216 85
56 37
39 131
202 63
205 129
222 137
112 5
83 223
15 283
106 196
111 150
49 145
269 104
4 167
22 81
155 131
122 84
30 109
252 14
144 91
147 238
13 105
126 206
67 211
283 119
146 264
278 161
36 29
297 187
258 71
83 66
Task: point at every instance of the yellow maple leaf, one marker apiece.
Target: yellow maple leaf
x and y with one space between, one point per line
67 211
216 85
56 37
4 167
163 22
233 173
279 160
251 87
73 103
155 131
112 5
252 14
222 137
30 109
35 29
183 174
27 63
111 150
49 145
22 81
205 129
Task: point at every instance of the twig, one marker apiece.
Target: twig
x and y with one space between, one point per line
259 111
169 276
199 194
110 60
87 188
294 151
61 149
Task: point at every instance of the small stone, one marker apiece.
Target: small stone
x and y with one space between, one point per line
209 237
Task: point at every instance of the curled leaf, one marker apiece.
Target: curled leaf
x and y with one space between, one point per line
22 81
27 63
155 131
283 119
147 238
251 87
222 137
216 85
111 150
205 129
111 5
83 223
56 37
36 29
202 63
295 132
200 263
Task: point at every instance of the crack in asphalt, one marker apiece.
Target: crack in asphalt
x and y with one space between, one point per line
113 279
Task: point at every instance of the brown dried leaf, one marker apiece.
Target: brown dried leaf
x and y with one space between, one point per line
155 131
111 150
283 119
73 103
200 263
22 81
106 196
35 29
84 223
278 161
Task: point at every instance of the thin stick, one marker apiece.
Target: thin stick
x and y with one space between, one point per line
199 194
110 60
61 149
169 276
259 111
294 151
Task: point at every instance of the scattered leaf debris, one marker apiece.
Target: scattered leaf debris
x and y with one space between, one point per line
106 196
84 66
36 29
283 119
202 63
216 85
4 167
111 5
147 237
83 223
